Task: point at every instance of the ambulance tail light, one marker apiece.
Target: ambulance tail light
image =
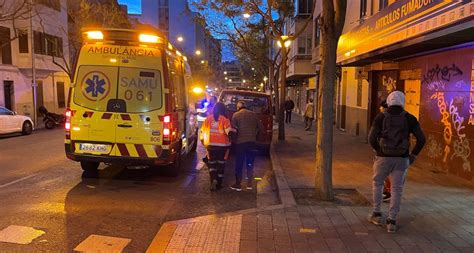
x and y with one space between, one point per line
67 124
167 124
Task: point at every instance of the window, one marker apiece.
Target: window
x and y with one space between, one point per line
5 44
39 42
23 42
317 32
53 4
178 86
383 4
363 8
304 44
60 93
305 6
47 44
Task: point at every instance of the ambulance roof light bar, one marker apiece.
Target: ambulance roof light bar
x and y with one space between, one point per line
94 35
149 38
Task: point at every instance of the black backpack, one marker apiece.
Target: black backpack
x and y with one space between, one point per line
394 138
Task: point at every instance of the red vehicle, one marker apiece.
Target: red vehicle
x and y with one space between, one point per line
258 102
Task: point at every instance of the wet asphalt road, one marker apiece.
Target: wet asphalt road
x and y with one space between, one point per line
40 188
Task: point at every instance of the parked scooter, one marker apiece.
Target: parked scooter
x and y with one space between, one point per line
52 119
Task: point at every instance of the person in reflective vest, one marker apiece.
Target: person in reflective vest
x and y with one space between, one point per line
214 135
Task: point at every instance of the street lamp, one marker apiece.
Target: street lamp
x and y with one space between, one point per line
230 80
202 61
225 72
198 52
244 81
180 39
226 78
265 78
284 41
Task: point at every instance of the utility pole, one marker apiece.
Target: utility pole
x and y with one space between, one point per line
33 67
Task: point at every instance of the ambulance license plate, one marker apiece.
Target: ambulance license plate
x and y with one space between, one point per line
93 147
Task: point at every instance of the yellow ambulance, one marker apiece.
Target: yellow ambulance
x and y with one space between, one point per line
128 102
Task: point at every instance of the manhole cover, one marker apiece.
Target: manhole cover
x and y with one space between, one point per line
342 197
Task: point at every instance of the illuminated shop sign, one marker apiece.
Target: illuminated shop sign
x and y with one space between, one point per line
400 21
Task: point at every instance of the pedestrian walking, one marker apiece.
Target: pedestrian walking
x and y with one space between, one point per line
308 115
386 184
214 136
289 106
390 138
248 126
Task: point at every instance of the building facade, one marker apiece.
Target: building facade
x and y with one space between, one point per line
424 48
50 43
233 74
300 74
175 19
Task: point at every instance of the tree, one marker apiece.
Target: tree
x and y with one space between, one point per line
12 13
274 15
332 22
87 13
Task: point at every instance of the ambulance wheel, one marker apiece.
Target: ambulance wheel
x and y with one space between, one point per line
172 170
89 166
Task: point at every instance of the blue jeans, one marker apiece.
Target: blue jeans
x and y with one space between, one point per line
396 168
245 153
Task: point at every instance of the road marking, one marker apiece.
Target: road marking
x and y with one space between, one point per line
100 243
18 180
19 234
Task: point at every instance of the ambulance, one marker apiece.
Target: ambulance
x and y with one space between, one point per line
128 102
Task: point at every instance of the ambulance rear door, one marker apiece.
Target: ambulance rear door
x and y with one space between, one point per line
92 125
140 87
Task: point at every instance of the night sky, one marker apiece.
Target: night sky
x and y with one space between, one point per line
133 6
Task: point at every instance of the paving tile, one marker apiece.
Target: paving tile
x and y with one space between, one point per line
298 238
286 248
265 245
19 234
248 235
301 247
248 246
100 243
267 234
282 239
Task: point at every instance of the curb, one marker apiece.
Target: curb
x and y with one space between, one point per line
284 192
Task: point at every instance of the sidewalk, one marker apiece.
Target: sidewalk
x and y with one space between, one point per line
437 210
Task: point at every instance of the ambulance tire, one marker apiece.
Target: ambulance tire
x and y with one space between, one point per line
89 166
172 170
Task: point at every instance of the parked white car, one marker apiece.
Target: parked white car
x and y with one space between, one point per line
11 122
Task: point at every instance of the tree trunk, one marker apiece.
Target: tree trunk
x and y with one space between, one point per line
281 112
277 93
325 119
332 22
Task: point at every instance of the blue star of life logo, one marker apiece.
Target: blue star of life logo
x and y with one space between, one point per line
95 86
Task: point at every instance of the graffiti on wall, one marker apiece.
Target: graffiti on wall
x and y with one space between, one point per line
389 83
436 78
456 145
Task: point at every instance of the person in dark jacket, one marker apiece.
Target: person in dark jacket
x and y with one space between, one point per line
289 106
394 166
248 126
